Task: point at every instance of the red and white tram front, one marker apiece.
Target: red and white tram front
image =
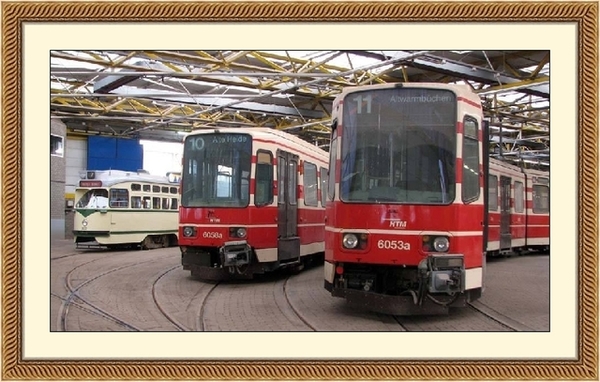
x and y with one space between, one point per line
404 229
215 194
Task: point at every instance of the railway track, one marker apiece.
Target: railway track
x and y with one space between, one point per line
73 294
498 317
178 325
200 317
291 305
131 292
74 298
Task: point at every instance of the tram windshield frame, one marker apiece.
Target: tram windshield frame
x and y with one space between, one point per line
94 198
216 170
399 146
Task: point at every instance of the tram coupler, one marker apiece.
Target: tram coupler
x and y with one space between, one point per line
445 273
235 253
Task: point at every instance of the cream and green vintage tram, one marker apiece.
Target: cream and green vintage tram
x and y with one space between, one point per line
121 209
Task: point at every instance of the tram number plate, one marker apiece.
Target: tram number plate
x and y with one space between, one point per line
212 235
398 245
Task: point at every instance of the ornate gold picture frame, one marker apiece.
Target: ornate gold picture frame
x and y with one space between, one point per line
583 14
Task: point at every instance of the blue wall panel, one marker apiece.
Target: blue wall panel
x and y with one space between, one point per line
114 153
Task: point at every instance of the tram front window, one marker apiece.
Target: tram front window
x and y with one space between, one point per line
94 198
216 170
398 146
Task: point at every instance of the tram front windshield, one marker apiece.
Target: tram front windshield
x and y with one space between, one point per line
398 146
216 170
92 198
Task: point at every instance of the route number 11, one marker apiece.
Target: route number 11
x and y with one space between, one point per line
360 100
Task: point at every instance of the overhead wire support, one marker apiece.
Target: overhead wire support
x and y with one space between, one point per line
295 87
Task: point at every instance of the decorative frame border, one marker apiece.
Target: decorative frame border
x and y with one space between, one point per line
584 14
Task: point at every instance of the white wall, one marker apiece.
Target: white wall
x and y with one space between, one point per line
76 160
162 157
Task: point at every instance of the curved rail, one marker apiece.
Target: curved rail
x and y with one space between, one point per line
74 293
200 317
179 326
296 312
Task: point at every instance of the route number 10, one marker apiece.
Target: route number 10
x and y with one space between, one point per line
360 100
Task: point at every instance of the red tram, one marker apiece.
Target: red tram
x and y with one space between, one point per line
518 209
407 216
251 202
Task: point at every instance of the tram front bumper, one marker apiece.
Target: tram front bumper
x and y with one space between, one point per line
386 304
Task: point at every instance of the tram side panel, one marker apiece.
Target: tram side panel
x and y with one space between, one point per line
538 210
506 209
518 209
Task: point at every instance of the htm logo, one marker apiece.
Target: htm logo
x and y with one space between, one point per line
397 224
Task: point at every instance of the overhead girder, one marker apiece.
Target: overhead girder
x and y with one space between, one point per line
294 87
432 63
300 89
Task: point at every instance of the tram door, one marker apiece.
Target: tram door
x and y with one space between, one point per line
288 242
505 236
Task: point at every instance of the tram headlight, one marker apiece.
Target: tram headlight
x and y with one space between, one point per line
84 223
239 232
350 240
189 231
432 243
441 244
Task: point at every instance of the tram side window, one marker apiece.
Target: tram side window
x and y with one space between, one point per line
519 197
281 166
541 199
173 190
293 183
156 203
310 185
323 186
146 187
119 198
155 188
165 203
174 205
263 193
136 187
147 203
492 193
136 202
164 190
470 154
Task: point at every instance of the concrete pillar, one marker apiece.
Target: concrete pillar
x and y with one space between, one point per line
58 140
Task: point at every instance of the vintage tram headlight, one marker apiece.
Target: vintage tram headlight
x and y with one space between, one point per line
189 231
239 232
84 223
350 240
441 244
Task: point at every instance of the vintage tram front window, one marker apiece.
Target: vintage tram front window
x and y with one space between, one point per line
94 198
216 170
398 146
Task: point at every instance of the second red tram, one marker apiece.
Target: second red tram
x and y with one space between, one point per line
251 202
409 160
518 209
